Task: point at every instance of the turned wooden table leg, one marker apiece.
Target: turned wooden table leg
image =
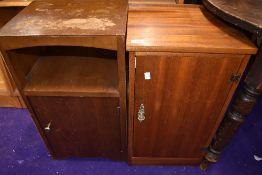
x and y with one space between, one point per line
242 105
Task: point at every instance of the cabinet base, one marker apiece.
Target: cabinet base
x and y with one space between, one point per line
8 101
163 161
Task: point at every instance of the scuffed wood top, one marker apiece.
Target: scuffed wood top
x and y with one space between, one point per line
152 2
246 14
15 3
189 28
69 17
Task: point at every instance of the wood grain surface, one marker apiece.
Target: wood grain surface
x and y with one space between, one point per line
152 2
3 88
70 17
3 83
8 95
6 13
86 127
184 101
30 44
15 3
190 28
73 76
191 56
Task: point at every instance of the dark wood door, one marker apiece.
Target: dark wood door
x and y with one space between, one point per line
183 97
77 126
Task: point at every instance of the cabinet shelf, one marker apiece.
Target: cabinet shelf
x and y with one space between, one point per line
73 76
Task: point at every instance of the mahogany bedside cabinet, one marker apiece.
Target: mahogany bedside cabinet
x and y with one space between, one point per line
68 61
184 67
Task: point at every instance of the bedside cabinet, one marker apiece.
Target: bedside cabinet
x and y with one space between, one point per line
68 61
184 66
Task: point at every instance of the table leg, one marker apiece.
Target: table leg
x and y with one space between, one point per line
241 106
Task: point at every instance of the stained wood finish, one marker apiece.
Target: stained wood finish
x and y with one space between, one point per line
182 29
179 1
69 75
15 3
174 100
60 61
3 84
86 127
10 101
121 53
104 42
7 88
245 14
73 76
241 107
22 64
152 2
70 17
191 57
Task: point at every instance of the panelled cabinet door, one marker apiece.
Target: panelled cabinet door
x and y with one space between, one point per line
80 126
178 102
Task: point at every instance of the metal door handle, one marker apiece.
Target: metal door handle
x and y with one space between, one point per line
47 128
141 113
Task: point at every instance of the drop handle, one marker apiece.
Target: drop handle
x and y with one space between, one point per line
141 113
47 128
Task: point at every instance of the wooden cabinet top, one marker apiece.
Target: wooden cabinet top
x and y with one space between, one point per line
15 3
69 18
188 28
152 2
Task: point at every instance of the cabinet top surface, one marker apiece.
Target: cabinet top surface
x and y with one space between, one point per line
69 18
15 3
188 28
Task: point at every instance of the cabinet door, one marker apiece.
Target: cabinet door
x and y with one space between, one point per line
80 126
183 97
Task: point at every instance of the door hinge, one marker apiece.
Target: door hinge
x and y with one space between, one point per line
235 78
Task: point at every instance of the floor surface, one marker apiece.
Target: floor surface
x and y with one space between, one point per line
23 152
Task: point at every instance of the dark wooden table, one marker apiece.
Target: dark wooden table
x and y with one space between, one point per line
246 15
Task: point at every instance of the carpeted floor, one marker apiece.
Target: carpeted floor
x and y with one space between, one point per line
23 152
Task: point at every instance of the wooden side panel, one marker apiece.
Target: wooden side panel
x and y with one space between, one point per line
3 84
9 101
80 126
183 100
122 92
7 98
